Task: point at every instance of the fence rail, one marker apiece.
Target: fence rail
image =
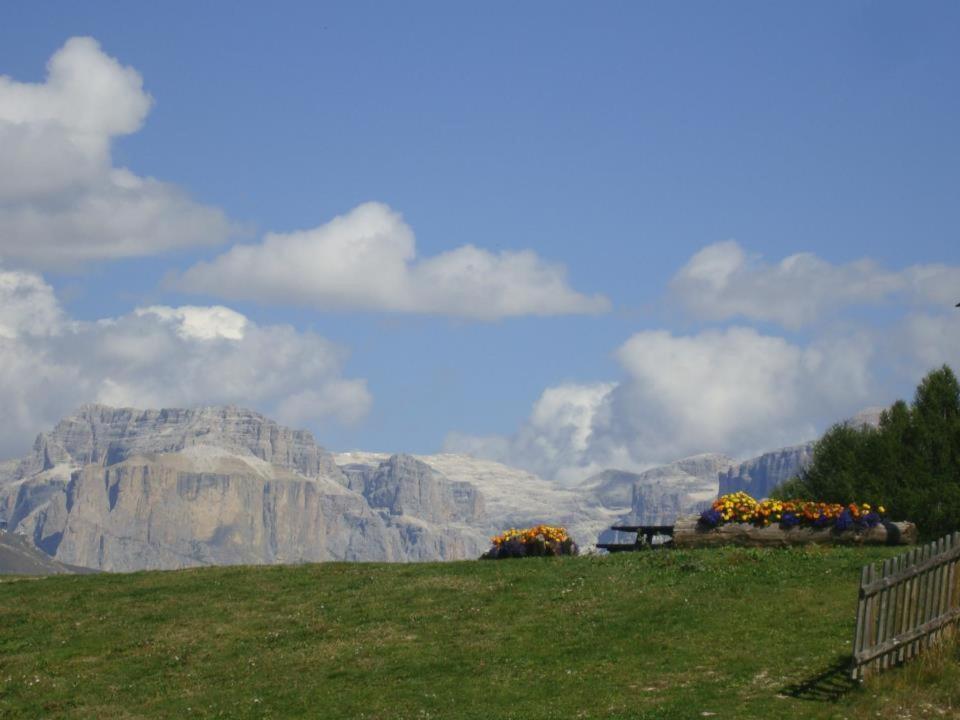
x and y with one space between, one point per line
906 605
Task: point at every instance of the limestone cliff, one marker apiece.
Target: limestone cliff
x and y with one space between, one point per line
101 435
123 489
760 475
495 497
403 485
411 497
659 495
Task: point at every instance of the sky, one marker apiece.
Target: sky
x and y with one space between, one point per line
566 236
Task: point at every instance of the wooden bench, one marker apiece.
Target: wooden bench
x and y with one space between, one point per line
645 535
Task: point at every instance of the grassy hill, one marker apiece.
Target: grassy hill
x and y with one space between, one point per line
686 634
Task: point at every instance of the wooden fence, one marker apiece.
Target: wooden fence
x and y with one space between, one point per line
906 605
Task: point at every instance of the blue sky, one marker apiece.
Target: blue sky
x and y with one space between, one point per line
615 141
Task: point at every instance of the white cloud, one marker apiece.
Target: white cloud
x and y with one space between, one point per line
734 391
366 260
555 442
203 323
937 285
346 400
27 306
160 357
61 199
921 342
86 92
721 282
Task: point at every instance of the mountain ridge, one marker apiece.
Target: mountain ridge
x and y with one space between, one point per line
128 489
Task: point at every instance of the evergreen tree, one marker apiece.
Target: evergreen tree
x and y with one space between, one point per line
910 463
837 473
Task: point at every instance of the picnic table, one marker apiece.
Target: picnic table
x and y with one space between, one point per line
644 541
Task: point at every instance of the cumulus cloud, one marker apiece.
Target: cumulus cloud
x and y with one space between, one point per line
28 306
735 391
366 260
159 356
555 442
61 199
722 282
923 341
203 323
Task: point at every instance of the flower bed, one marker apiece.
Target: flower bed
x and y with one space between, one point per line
741 508
540 540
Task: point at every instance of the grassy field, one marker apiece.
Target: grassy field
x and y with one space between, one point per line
685 634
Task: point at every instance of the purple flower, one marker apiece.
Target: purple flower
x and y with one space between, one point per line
821 521
711 517
844 520
789 520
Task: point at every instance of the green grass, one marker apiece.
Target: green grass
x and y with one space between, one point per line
737 633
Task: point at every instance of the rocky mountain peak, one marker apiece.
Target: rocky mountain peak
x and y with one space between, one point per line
404 485
703 465
760 475
128 489
103 435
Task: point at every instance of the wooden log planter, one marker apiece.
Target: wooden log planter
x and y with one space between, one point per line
689 532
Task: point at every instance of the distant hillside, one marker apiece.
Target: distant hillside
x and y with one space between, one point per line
19 557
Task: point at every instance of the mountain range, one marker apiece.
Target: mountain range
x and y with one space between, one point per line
120 489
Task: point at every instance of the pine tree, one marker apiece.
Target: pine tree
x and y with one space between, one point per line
910 463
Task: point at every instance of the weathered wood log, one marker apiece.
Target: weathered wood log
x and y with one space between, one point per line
689 533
